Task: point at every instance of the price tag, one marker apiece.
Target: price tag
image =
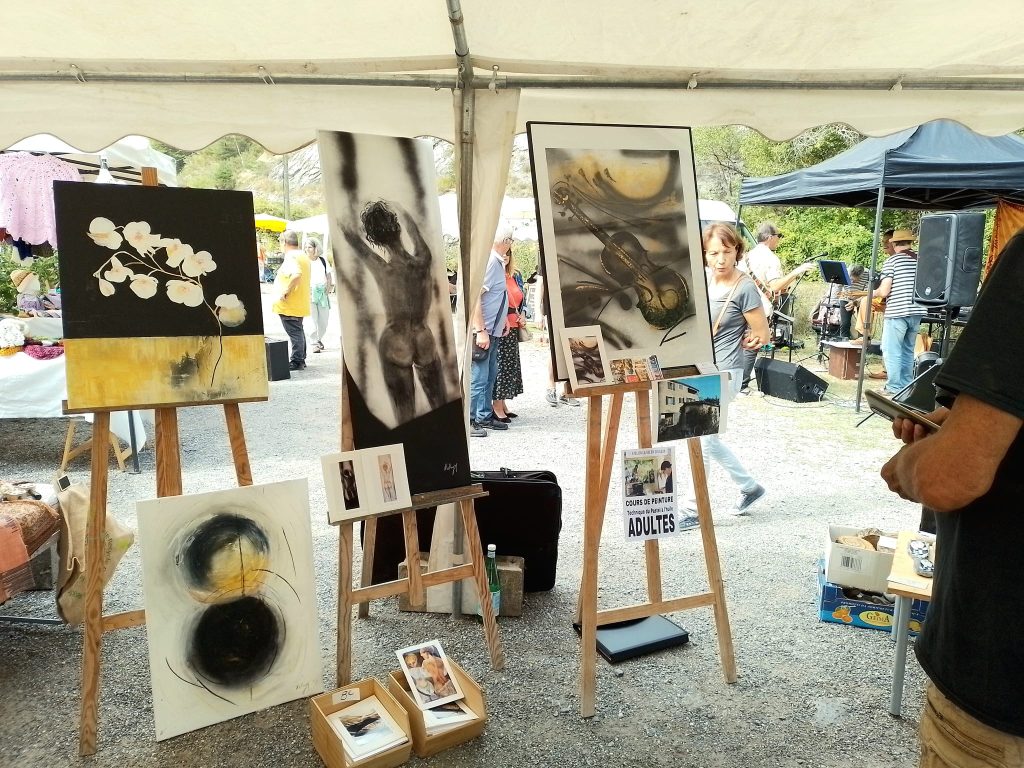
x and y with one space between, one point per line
349 695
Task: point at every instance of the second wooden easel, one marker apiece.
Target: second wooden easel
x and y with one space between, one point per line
600 459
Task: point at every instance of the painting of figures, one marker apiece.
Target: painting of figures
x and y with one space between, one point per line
230 603
620 239
398 338
160 296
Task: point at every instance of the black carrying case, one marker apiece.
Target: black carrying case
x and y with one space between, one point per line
522 516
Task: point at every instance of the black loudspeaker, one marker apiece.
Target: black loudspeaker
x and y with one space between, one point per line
949 259
788 381
277 359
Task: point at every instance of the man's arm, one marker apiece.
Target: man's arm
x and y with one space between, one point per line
483 338
956 465
779 284
884 288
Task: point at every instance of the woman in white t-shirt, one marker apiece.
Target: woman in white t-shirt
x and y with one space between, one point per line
321 284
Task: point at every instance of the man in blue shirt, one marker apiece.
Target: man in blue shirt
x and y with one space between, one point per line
489 319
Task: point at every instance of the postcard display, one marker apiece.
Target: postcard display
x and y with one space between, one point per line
400 381
161 310
620 242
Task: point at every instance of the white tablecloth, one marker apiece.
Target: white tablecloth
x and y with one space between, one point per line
35 389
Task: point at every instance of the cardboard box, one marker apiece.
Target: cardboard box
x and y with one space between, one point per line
837 608
425 745
328 744
852 567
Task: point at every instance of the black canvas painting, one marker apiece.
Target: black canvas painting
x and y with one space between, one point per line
397 330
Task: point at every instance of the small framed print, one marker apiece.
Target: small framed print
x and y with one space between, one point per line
364 483
583 346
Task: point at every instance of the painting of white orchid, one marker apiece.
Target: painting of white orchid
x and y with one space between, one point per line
161 296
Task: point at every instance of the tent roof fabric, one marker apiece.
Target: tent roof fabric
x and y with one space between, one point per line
940 165
265 68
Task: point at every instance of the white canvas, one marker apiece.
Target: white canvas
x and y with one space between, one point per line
225 641
586 357
363 483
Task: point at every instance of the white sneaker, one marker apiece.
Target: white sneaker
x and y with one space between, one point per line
552 398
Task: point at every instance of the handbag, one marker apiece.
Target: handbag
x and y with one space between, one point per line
524 333
479 353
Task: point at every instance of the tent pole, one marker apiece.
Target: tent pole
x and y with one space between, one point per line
871 291
466 99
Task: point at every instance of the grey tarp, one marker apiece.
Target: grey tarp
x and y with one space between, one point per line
939 165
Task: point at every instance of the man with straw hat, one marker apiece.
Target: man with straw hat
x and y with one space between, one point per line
902 315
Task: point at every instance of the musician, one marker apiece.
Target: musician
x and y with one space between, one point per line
902 315
849 306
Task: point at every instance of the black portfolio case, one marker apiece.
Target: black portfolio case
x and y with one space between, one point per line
522 516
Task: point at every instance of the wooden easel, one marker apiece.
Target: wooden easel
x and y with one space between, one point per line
600 459
414 583
168 483
70 454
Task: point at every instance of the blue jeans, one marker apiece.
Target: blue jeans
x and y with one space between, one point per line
481 386
898 337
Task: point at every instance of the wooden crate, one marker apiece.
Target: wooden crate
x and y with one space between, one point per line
425 745
330 747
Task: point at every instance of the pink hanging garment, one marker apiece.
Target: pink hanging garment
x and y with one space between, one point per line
26 195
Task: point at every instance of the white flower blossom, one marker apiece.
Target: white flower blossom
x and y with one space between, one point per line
117 273
185 292
198 264
103 232
138 234
106 288
11 334
177 251
230 310
144 286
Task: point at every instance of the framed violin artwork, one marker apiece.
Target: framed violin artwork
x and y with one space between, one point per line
620 240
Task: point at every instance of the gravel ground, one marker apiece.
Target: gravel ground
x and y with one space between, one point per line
808 694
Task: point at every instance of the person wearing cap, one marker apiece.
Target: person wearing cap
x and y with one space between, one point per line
488 326
969 472
902 315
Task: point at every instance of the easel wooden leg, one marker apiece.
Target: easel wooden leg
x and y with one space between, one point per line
593 519
95 527
344 661
168 453
236 436
652 551
483 591
714 566
417 597
366 572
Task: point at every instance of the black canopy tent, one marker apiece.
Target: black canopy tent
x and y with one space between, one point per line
937 166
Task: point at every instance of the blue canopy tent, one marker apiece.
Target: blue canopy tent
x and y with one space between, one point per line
937 166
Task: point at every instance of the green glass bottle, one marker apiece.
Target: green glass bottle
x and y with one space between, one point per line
493 582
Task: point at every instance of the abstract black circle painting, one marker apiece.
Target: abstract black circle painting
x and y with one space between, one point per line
230 603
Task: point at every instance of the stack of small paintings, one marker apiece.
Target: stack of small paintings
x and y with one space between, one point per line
160 295
398 338
231 612
366 728
365 483
620 240
434 687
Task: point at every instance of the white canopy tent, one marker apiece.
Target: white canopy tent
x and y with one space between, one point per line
474 71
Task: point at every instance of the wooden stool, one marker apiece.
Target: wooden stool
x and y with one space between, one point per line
72 453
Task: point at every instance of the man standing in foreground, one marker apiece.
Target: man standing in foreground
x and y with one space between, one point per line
969 472
902 315
488 326
291 288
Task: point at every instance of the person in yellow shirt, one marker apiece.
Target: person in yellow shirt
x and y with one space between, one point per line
292 305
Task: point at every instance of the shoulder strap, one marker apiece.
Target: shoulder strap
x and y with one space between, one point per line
725 306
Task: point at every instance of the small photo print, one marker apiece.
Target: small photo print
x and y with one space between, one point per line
366 727
631 377
690 407
640 366
618 367
386 467
447 716
430 678
584 348
655 368
349 485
